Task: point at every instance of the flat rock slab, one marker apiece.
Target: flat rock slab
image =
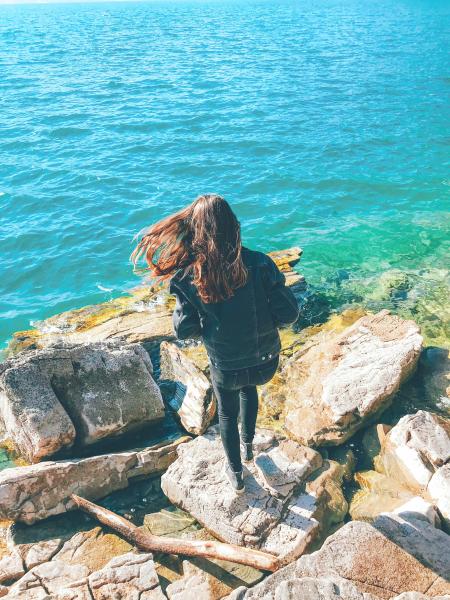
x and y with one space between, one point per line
275 513
36 492
339 381
127 577
387 559
53 398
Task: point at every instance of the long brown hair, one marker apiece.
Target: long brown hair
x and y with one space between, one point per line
204 237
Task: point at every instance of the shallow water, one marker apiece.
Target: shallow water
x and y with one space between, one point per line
326 125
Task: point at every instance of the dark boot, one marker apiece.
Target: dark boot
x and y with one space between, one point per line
247 452
235 478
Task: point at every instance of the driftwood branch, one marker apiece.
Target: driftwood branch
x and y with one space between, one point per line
154 543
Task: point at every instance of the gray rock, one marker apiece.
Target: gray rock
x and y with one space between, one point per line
383 560
46 581
199 404
320 588
276 513
11 568
97 390
36 492
417 452
416 447
31 413
439 490
337 382
128 577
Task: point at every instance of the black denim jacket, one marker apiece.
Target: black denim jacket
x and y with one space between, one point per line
241 331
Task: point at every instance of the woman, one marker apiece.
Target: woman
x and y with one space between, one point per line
231 297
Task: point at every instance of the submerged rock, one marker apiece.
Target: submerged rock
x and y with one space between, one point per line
281 507
336 383
36 492
383 560
89 392
198 406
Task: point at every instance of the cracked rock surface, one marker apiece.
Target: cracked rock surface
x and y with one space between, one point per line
276 513
53 398
338 381
416 452
391 557
36 492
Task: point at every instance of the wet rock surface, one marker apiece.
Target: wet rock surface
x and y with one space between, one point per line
53 398
336 383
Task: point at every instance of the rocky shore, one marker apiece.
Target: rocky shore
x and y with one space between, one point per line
350 486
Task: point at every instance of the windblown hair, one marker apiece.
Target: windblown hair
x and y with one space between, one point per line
205 238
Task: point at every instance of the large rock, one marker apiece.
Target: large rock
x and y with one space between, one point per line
143 315
38 491
417 452
276 513
46 581
384 560
92 391
32 415
337 382
198 406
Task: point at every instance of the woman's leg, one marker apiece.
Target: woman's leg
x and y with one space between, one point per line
249 411
228 411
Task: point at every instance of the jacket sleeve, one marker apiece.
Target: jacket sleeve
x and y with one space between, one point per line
185 318
282 302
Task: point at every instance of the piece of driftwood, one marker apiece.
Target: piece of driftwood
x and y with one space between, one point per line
153 543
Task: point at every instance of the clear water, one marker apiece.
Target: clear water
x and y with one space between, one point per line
326 124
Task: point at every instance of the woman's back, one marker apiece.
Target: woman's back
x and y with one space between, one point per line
240 331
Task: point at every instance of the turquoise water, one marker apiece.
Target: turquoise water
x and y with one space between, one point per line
325 124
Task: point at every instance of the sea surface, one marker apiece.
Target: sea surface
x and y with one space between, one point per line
326 124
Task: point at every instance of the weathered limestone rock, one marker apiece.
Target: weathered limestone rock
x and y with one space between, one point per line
128 577
392 557
198 407
416 448
91 391
378 493
36 492
439 490
93 549
31 413
46 581
417 452
106 389
67 539
214 577
11 568
142 315
338 382
276 513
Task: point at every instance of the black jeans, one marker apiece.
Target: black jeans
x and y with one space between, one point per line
236 393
